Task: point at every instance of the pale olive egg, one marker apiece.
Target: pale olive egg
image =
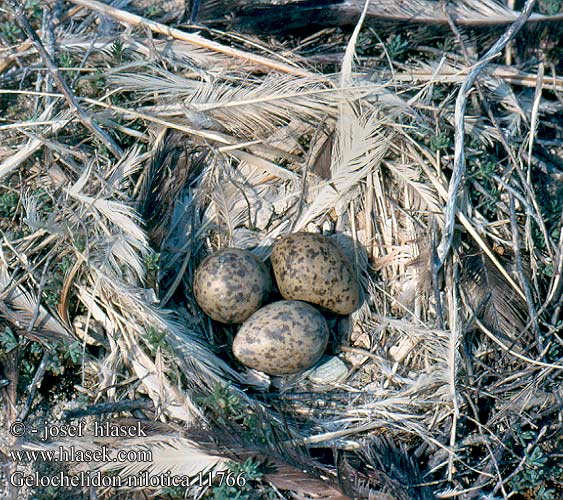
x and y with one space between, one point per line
282 338
311 267
231 284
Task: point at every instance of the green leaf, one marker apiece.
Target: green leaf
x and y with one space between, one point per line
8 340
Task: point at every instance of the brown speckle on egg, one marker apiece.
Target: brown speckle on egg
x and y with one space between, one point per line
282 338
231 284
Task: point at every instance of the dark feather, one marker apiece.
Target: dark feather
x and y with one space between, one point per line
171 167
256 16
381 470
323 159
289 466
381 467
492 298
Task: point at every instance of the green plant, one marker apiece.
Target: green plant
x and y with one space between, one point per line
397 45
235 484
98 81
174 492
155 338
8 340
48 493
10 31
153 11
484 170
34 8
55 366
227 409
52 293
66 354
52 290
223 402
65 59
27 369
8 203
489 205
80 243
536 471
366 44
550 7
65 264
439 141
62 356
117 50
446 44
547 270
73 352
44 200
152 262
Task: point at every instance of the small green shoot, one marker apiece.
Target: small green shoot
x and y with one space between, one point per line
152 262
117 50
10 31
396 46
439 141
8 203
8 340
155 339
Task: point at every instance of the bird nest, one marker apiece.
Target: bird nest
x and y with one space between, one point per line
131 149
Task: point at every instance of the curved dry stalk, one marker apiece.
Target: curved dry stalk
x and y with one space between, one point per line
459 153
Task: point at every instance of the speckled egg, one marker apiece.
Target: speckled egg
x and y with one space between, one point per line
282 338
311 267
231 284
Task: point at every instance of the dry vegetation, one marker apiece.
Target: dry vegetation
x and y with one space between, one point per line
425 137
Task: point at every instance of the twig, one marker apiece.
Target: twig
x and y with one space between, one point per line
461 104
35 383
179 276
511 4
526 183
508 349
522 276
435 278
495 456
26 27
555 286
438 184
525 457
195 10
264 18
305 172
510 75
6 62
62 307
193 39
37 308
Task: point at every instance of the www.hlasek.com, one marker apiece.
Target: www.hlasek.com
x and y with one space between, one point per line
77 454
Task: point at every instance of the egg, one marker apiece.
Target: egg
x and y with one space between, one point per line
312 268
282 338
230 284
